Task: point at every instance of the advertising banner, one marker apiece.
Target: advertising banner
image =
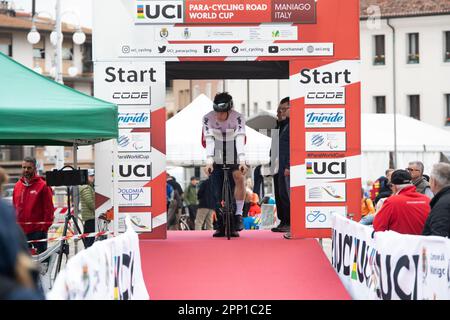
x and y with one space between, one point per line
353 256
416 267
108 270
326 143
139 90
218 11
371 267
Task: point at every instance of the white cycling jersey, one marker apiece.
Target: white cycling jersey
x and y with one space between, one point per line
231 130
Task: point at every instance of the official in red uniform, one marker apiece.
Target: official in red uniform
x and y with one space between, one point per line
33 201
406 210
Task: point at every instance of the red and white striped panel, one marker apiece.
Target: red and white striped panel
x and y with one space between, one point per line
310 219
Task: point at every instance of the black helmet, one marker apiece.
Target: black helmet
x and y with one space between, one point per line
223 102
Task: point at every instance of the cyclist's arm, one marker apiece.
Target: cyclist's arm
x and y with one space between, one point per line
209 140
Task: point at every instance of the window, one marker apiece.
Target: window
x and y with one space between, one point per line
413 48
6 44
414 106
88 66
255 107
269 105
379 58
447 46
380 104
67 50
243 108
39 49
447 103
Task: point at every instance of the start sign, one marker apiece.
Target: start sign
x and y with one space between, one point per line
320 39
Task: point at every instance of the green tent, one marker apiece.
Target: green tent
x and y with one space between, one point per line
35 110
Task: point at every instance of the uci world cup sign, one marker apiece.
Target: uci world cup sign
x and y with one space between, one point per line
133 41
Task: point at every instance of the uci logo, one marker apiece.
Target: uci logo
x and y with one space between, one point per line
320 169
160 11
135 172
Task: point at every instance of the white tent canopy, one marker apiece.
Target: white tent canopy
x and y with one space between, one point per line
416 140
184 132
412 135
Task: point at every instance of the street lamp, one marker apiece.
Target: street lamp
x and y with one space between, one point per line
56 39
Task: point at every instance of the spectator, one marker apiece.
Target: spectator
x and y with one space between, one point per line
33 201
438 222
87 202
206 205
175 185
367 209
176 205
172 206
18 274
416 168
255 208
382 187
3 180
405 211
284 170
246 208
368 188
191 199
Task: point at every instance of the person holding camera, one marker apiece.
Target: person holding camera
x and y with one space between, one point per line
87 203
33 201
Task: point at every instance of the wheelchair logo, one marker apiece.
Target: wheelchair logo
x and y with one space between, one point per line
316 215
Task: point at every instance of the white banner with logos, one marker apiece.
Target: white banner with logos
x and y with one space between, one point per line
108 270
390 266
138 88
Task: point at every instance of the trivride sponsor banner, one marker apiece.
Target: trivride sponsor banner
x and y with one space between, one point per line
134 117
108 270
415 268
324 118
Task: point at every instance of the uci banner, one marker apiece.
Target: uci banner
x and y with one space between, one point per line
389 265
353 256
108 270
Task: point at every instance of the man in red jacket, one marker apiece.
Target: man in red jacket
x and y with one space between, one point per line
406 210
33 201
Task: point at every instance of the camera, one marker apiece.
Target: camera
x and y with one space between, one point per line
73 177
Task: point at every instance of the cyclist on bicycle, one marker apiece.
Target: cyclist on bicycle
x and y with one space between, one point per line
224 139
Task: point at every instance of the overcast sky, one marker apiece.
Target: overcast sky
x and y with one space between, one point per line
82 8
